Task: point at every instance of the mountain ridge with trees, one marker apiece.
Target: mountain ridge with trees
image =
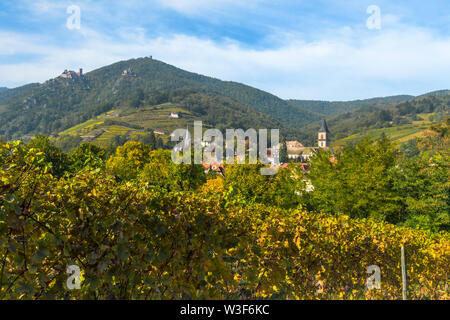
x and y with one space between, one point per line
61 103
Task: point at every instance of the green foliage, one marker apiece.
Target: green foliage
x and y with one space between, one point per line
284 158
331 108
161 171
370 179
244 185
67 143
141 227
410 148
129 160
424 184
87 156
132 241
423 180
54 157
135 160
151 140
362 118
358 183
10 93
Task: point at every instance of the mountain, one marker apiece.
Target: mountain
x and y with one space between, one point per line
135 97
400 121
328 108
73 98
6 93
439 93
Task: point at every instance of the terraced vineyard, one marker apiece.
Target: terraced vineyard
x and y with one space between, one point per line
132 122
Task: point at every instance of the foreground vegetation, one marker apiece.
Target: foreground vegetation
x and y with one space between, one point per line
140 227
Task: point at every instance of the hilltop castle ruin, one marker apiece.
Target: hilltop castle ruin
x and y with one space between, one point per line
69 74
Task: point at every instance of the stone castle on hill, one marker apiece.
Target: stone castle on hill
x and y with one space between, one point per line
69 74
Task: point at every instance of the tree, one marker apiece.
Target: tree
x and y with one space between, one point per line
284 157
358 182
55 157
119 140
422 179
424 184
87 155
67 143
161 171
244 184
149 139
129 160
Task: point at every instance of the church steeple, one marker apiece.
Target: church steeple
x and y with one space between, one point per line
324 135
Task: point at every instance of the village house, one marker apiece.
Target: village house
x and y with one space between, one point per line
294 145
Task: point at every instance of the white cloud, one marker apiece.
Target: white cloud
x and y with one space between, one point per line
344 64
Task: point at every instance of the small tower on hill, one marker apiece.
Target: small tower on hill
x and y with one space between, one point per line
324 135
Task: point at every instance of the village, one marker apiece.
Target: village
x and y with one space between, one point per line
297 152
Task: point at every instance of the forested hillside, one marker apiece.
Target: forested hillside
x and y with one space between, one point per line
328 108
140 85
59 104
115 127
10 93
398 119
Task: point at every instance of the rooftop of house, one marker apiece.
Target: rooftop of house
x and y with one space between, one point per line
294 144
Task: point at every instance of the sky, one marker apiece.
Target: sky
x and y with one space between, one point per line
304 49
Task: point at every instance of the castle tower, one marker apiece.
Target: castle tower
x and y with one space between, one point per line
80 72
324 135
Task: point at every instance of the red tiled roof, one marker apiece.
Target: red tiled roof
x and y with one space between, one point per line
212 166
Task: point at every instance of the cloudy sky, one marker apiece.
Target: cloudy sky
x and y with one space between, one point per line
305 49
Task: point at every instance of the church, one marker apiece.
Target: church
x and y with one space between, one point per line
298 152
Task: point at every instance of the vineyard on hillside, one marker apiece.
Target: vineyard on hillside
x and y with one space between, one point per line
139 227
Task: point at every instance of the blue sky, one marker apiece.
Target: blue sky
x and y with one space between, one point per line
301 49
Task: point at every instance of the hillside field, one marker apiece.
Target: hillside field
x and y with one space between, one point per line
132 122
398 134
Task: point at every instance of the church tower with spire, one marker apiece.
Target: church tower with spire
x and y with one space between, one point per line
324 135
